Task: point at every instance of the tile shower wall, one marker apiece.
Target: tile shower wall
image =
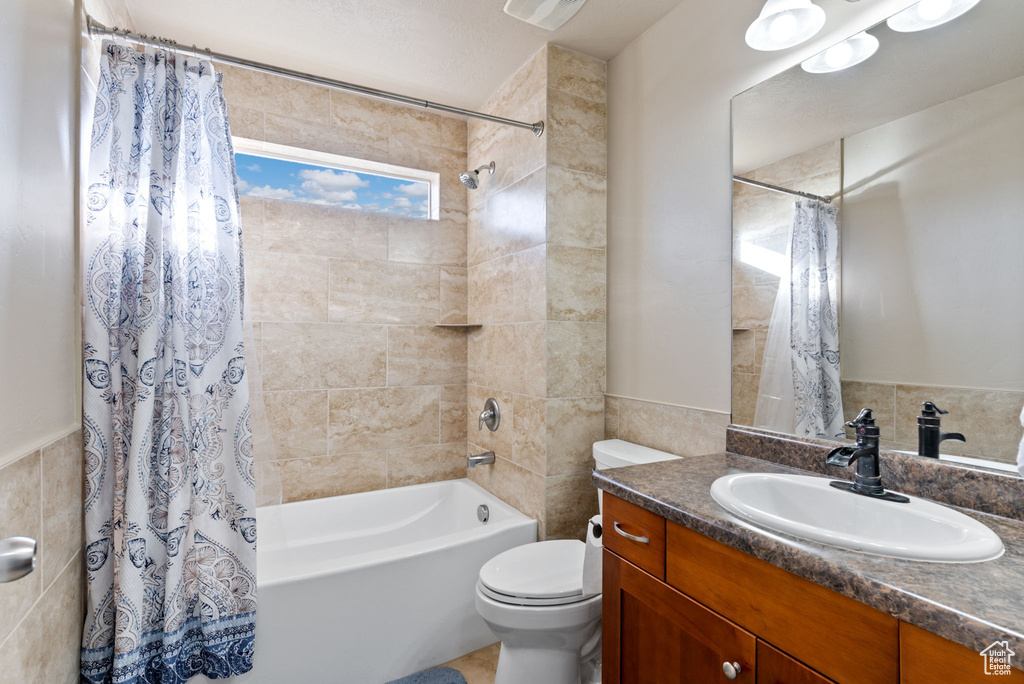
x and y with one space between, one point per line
763 219
362 390
41 615
536 254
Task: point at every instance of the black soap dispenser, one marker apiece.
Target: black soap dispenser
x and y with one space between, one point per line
929 431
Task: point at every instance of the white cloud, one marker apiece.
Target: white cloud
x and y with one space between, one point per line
386 195
401 203
414 189
243 185
333 186
270 193
252 167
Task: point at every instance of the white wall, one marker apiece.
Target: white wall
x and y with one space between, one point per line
670 192
39 348
931 201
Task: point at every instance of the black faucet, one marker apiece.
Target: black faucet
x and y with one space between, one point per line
929 431
868 481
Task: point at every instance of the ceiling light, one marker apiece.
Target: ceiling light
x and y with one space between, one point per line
785 23
842 55
929 13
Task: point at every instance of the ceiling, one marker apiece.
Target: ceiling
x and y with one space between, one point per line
457 52
795 111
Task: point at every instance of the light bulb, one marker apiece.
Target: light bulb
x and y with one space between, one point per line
930 10
839 55
783 27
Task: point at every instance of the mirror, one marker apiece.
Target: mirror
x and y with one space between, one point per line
906 286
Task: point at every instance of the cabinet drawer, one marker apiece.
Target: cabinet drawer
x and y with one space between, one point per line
634 534
926 658
775 667
837 636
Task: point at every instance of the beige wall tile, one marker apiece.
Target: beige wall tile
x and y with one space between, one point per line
19 517
752 305
323 137
46 646
422 355
287 287
570 501
576 74
514 219
674 429
573 425
490 291
502 440
454 135
62 485
529 448
245 122
454 402
576 283
577 208
298 227
273 94
534 359
881 398
386 418
529 285
497 147
743 351
298 422
434 463
513 484
611 417
530 152
426 241
509 357
325 476
576 359
520 86
454 295
323 355
367 115
384 292
578 135
252 224
744 397
989 419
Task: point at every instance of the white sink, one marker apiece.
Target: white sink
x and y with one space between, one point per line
806 506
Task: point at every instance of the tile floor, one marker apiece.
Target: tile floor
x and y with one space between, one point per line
478 667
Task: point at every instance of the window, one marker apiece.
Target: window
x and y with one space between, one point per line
290 173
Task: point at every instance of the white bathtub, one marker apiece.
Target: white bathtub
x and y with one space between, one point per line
366 588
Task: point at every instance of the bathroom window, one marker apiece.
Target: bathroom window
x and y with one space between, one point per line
290 173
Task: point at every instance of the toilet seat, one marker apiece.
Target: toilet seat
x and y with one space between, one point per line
546 573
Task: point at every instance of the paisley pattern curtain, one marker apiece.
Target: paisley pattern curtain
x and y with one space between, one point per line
169 496
800 389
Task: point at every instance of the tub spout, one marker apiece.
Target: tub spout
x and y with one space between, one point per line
486 458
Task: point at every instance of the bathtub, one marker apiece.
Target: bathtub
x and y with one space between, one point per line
366 588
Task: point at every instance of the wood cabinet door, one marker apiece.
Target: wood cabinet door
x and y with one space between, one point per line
653 634
775 667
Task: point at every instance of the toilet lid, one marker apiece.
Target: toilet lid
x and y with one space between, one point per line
542 570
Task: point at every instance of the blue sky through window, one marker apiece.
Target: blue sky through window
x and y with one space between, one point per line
284 179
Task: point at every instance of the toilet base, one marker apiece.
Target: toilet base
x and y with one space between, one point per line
534 665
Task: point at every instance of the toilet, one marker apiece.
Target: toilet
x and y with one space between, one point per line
532 598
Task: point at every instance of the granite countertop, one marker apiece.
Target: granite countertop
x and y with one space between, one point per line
972 604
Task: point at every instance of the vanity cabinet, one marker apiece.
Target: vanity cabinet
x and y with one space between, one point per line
679 606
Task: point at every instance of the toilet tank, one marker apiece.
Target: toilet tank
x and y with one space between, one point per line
616 453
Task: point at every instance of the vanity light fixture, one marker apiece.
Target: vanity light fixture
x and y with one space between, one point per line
929 14
844 55
785 23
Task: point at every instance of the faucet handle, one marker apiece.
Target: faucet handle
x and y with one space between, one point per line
863 418
932 411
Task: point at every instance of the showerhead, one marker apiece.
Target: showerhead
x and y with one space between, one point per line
471 179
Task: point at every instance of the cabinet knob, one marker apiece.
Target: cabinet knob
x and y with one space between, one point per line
731 670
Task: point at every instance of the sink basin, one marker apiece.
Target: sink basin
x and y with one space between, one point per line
807 507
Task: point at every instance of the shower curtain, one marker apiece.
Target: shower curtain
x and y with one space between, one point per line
169 498
800 391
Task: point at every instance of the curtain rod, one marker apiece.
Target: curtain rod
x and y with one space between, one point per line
827 199
96 29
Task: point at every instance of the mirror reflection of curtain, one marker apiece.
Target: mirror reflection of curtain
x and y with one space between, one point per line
800 390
